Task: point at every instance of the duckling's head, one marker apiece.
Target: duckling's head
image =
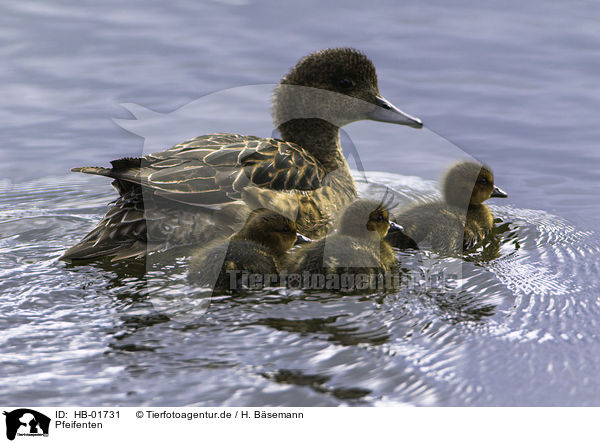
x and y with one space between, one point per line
272 230
470 183
338 85
367 219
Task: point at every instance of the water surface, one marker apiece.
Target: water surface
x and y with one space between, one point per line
513 84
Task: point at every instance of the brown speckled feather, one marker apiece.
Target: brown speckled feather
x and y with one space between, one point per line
216 168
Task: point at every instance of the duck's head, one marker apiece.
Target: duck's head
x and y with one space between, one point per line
270 229
367 219
470 183
338 85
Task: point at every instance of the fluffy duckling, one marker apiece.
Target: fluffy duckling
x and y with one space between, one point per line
458 222
257 248
357 247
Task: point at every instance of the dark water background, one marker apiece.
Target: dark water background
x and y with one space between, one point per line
514 84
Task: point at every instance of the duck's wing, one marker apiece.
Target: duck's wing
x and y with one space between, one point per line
214 169
211 170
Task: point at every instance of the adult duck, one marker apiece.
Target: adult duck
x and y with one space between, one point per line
459 221
204 188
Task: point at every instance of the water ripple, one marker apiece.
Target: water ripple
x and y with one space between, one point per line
134 337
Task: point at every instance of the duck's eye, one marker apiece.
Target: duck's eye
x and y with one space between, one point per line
286 229
346 83
379 218
482 181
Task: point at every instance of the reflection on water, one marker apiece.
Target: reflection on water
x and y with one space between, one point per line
112 334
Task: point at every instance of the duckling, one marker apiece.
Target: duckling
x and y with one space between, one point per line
461 220
258 248
304 174
356 248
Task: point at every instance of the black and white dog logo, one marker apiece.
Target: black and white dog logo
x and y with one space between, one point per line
26 422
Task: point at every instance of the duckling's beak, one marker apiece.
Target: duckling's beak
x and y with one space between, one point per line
395 227
302 239
499 193
386 112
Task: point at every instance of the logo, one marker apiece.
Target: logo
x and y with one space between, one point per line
27 423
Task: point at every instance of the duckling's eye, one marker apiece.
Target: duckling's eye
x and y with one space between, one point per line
286 229
346 84
379 218
482 181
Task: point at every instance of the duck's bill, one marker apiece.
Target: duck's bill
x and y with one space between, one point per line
498 193
395 227
386 112
302 239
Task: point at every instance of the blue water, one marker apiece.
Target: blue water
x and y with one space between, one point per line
514 84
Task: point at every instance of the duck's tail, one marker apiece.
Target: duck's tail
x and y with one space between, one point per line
95 170
122 233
